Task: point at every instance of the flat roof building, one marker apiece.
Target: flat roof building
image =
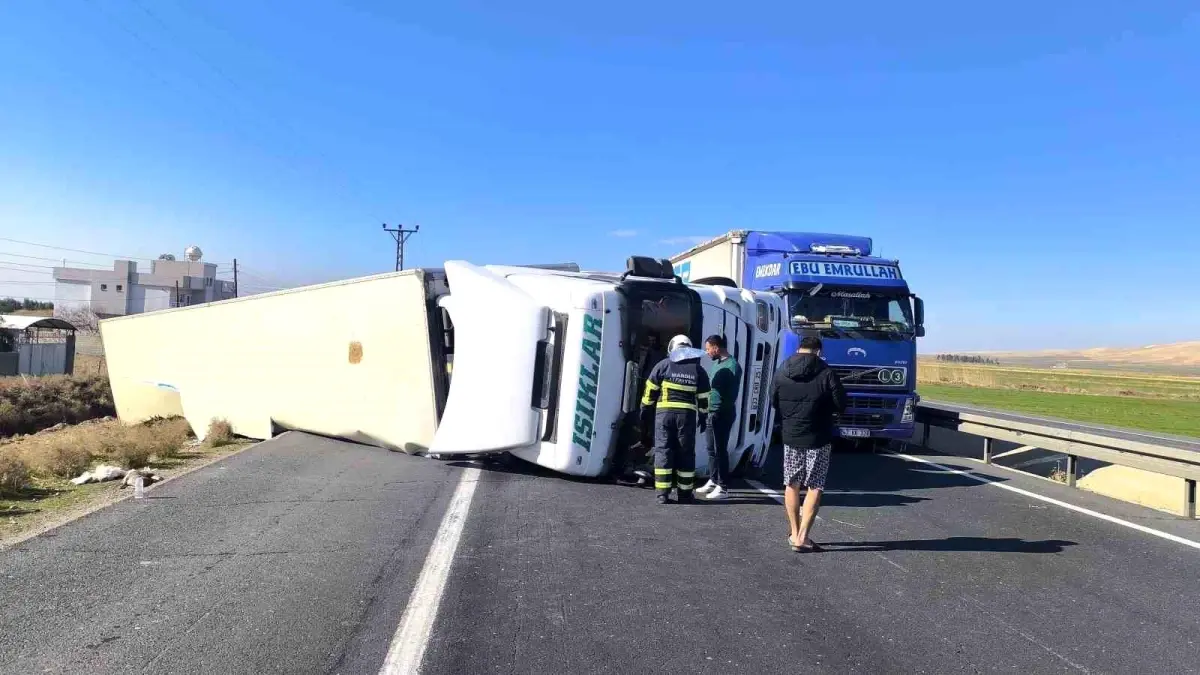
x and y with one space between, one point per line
124 290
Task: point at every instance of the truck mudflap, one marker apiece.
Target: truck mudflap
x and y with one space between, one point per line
491 405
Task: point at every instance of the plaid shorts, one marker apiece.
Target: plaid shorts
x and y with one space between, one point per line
806 466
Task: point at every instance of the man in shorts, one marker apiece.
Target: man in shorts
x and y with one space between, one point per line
808 395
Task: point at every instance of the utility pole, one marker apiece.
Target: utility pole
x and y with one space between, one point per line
176 293
401 236
235 277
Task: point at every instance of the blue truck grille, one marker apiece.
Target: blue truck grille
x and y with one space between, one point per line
872 403
865 420
869 376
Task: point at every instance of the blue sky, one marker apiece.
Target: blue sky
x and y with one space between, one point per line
1034 166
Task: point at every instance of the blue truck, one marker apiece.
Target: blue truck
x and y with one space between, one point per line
859 305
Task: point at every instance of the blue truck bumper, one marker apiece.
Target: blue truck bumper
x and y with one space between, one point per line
871 415
899 433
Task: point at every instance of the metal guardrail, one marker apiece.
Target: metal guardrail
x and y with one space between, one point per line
1178 458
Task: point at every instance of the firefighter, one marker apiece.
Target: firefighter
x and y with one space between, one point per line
677 389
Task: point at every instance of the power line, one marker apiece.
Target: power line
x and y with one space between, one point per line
27 265
262 280
29 297
38 257
24 271
73 250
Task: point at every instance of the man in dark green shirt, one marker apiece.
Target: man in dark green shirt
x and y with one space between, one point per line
726 377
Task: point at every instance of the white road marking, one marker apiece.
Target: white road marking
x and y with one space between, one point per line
1043 460
412 636
1023 448
777 495
1050 500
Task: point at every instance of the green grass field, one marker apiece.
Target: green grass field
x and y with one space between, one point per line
1180 416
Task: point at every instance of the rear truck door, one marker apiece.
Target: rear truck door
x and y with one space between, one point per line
500 342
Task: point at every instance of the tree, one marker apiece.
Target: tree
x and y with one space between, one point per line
83 318
10 305
8 341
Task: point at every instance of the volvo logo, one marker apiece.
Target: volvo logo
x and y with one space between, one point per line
856 351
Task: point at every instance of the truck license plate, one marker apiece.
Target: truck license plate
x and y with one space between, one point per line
755 387
856 433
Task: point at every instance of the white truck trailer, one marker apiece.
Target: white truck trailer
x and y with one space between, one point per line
539 362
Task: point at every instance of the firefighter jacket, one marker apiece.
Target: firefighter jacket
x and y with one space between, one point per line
678 382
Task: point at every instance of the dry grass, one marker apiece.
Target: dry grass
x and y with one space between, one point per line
1060 381
35 502
90 364
61 457
68 452
14 475
28 405
220 433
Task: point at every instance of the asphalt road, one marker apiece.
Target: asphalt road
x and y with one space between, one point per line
299 556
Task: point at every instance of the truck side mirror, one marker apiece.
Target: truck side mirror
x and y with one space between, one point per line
919 314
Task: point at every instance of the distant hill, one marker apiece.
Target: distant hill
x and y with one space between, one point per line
1179 357
1175 354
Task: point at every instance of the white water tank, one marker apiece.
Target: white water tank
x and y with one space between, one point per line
193 253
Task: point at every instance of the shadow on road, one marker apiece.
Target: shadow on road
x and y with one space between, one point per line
871 480
851 499
857 480
956 544
868 499
887 473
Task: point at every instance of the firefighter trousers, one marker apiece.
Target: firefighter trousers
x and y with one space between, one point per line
675 451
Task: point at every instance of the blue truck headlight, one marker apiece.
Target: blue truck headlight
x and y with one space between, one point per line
908 416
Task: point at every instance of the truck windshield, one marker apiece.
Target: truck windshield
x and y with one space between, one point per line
851 311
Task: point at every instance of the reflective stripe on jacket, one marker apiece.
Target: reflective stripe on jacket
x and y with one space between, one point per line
677 385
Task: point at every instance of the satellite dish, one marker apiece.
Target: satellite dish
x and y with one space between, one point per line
193 253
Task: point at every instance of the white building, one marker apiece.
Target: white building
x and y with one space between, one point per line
123 290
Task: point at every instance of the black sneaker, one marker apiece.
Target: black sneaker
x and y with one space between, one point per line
663 499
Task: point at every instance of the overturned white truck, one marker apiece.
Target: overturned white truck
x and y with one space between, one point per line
545 363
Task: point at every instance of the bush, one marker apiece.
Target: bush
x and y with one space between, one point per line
130 447
14 474
30 405
64 457
167 437
220 433
133 447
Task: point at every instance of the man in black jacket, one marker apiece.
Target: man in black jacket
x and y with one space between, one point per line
807 395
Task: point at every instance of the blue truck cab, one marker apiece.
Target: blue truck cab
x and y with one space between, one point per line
860 306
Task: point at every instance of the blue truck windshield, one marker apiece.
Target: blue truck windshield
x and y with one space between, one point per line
851 311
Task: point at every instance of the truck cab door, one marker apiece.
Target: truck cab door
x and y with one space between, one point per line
499 331
767 313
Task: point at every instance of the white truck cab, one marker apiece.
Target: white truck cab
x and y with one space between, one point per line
548 364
